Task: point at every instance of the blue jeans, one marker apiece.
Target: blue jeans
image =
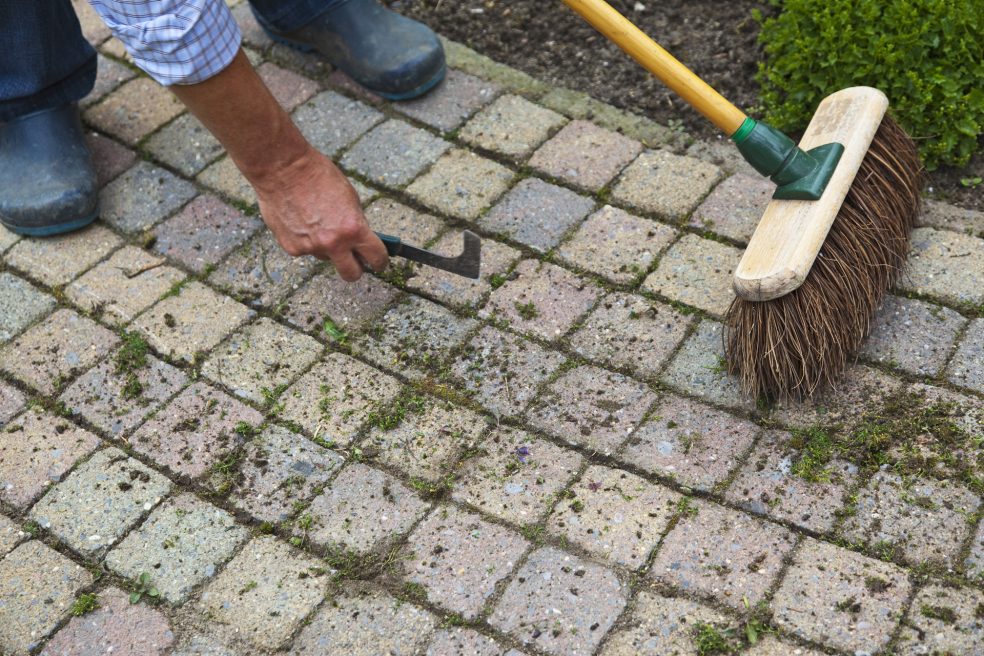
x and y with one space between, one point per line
46 62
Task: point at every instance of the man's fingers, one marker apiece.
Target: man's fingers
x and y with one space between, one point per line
373 254
347 265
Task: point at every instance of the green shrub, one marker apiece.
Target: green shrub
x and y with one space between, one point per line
926 55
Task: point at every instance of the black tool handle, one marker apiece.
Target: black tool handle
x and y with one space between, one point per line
393 244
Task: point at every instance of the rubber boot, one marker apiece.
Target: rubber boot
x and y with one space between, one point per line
47 181
391 55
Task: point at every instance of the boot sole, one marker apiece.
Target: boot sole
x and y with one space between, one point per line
48 231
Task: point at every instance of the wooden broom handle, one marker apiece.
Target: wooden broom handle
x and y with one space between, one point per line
700 95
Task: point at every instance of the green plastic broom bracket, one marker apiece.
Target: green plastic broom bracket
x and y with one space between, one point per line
798 174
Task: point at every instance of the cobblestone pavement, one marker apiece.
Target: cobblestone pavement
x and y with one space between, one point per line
549 460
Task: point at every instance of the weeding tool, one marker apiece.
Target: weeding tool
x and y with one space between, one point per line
467 264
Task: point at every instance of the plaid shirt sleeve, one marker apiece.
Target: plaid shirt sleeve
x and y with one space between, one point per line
174 41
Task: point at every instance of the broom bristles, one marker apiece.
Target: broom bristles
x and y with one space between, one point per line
797 344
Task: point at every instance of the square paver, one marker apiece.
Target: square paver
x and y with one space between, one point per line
690 442
288 88
227 179
631 332
394 153
452 289
735 207
123 286
330 121
21 304
392 218
585 155
181 545
465 641
943 620
109 158
143 196
515 475
7 239
614 515
54 351
592 407
186 145
56 260
347 305
110 74
190 322
542 299
667 185
450 103
537 213
659 625
839 598
504 371
914 336
36 451
204 232
699 368
945 265
943 215
260 358
697 272
11 401
100 501
10 535
262 272
135 110
461 184
511 126
966 369
266 591
560 603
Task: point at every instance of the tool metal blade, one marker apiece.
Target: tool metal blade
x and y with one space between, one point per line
467 264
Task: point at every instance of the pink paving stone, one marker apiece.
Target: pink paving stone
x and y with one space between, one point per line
542 299
288 88
722 554
537 214
349 306
204 232
11 401
456 98
735 206
585 155
59 259
339 80
594 408
134 110
690 442
194 431
37 450
117 627
392 218
108 157
455 290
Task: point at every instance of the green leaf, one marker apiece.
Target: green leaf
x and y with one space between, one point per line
153 592
134 597
144 578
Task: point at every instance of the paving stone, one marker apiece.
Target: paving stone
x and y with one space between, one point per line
11 401
224 177
943 620
967 366
205 645
339 80
542 299
594 408
100 501
330 121
280 469
690 442
115 627
392 218
204 232
21 304
772 646
950 217
362 509
394 153
37 450
974 562
288 88
365 622
452 289
461 184
10 535
54 351
93 28
560 603
466 59
576 104
839 598
252 33
191 322
768 485
459 559
57 260
450 103
721 152
914 336
504 371
697 272
348 305
123 286
585 155
511 126
515 476
631 332
192 433
735 207
108 157
262 357
143 196
266 591
660 625
134 110
462 642
668 185
333 400
537 214
103 395
699 368
262 271
614 515
945 265
38 586
7 239
186 145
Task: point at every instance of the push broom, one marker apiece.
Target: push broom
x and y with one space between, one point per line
832 240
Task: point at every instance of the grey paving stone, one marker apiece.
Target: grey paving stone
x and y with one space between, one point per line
143 196
288 88
721 152
461 642
616 245
511 126
839 598
659 625
204 232
134 110
109 74
330 121
690 442
576 104
186 145
697 272
10 535
773 646
21 304
460 56
348 305
537 214
515 476
100 501
914 336
108 157
459 559
945 265
450 103
7 239
630 332
699 368
205 645
392 218
664 184
38 586
614 515
456 290
11 401
735 207
966 369
974 562
56 260
461 184
585 155
943 620
394 153
942 215
266 591
592 407
560 603
224 177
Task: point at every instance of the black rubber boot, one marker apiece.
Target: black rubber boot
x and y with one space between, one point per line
391 55
47 182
